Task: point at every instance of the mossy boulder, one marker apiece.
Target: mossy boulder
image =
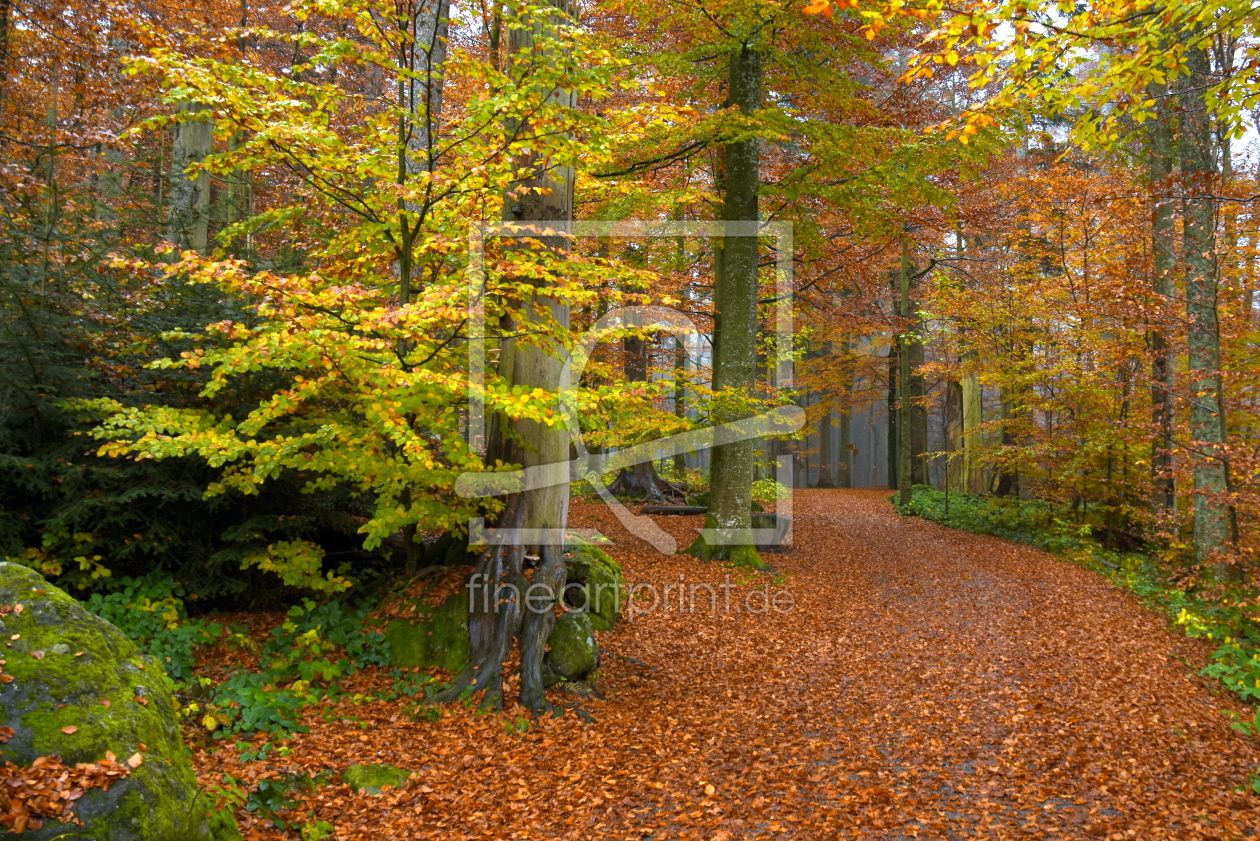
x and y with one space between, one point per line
573 654
66 664
426 620
372 779
594 584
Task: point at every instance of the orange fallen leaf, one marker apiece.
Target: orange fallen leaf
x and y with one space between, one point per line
69 730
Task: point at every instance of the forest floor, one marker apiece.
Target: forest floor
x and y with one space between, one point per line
927 683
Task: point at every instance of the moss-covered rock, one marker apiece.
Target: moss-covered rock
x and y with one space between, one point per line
66 664
573 654
594 584
426 621
372 779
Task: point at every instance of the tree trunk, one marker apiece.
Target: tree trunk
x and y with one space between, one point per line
1211 513
955 442
735 351
188 225
544 197
848 460
973 439
1008 479
1164 262
905 425
6 37
894 425
420 59
424 59
918 406
681 360
826 455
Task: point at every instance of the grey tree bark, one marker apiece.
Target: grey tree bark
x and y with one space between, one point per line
1207 415
544 197
188 221
735 302
1163 284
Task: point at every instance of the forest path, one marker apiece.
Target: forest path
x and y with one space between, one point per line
927 684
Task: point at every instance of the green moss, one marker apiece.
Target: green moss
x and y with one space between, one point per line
83 660
601 584
372 779
438 636
573 653
743 555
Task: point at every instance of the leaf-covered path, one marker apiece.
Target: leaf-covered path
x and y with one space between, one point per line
928 684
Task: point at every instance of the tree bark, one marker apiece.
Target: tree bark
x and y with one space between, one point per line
845 456
681 360
735 348
955 470
905 425
188 224
973 438
1163 264
894 425
543 197
826 455
1211 512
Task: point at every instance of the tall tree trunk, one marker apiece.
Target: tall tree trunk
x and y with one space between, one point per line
905 406
424 59
1008 479
188 225
681 361
847 456
894 423
6 38
918 406
1211 513
955 442
826 453
973 438
1163 263
544 197
735 349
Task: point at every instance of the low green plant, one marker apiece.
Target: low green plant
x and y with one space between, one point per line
301 663
150 610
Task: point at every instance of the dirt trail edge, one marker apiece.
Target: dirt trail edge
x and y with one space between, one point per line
926 683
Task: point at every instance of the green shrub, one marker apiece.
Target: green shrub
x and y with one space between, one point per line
151 612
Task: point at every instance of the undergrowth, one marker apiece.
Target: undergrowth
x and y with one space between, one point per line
301 663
